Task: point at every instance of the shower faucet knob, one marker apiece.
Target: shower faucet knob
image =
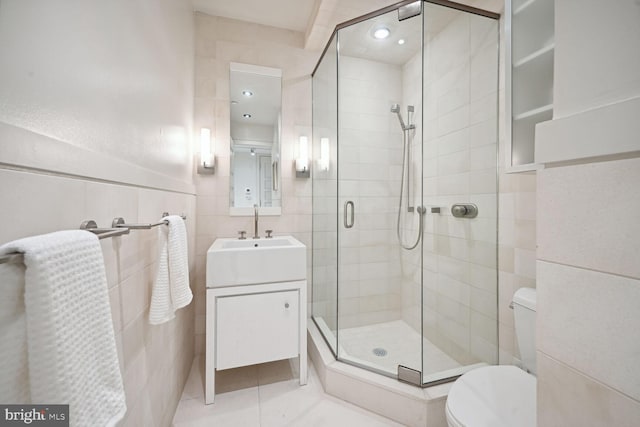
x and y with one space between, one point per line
464 210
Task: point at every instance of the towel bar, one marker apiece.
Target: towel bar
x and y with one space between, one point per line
119 222
118 228
90 225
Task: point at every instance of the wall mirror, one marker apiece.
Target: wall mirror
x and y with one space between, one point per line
255 96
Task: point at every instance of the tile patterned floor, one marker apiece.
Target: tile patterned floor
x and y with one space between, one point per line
267 395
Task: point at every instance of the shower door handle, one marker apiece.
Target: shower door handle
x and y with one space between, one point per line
349 219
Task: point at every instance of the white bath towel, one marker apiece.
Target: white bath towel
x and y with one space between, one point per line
72 357
171 289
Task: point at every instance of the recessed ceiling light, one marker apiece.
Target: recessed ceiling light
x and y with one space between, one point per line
234 102
381 33
247 93
253 152
246 116
401 41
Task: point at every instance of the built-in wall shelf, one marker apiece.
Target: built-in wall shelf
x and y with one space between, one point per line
522 6
529 167
530 50
541 113
544 54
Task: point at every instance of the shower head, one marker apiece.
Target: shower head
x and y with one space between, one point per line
395 108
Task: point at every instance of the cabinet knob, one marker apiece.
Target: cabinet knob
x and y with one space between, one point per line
286 305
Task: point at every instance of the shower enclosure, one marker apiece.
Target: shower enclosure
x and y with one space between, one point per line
405 119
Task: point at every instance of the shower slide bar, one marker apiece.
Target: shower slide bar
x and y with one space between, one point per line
90 225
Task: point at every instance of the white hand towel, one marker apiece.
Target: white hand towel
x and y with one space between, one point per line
171 289
14 387
72 355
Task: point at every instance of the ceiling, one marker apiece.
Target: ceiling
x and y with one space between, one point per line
318 18
288 14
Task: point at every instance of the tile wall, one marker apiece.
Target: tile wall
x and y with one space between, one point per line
516 231
218 42
99 126
154 360
588 275
370 160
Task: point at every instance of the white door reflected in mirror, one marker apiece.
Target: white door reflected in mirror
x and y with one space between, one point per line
255 96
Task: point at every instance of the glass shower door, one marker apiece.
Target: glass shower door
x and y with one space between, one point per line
379 191
406 111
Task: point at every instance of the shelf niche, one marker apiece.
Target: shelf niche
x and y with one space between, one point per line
530 55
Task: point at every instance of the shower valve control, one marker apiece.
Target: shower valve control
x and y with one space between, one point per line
464 210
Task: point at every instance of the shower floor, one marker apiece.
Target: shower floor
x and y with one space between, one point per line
397 341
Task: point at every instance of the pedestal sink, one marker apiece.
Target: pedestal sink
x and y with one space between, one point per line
234 262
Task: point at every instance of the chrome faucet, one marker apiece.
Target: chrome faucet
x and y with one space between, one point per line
255 222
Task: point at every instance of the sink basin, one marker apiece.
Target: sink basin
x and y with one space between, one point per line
233 262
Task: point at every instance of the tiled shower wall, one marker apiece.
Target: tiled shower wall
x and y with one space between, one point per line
459 260
369 169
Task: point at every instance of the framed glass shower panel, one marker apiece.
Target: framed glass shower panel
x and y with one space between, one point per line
459 260
325 213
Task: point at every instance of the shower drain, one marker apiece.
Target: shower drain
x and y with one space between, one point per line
380 352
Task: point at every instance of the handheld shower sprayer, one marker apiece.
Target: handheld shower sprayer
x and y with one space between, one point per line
405 193
395 108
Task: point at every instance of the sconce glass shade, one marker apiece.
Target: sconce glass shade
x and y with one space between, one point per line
302 162
325 159
206 163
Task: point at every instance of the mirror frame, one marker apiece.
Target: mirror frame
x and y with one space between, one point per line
263 210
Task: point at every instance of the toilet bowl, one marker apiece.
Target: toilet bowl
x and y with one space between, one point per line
494 396
500 396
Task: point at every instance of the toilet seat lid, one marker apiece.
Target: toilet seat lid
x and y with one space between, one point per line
493 396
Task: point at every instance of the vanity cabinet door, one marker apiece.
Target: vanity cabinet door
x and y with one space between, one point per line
256 328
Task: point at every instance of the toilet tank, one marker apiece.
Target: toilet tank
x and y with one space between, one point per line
524 306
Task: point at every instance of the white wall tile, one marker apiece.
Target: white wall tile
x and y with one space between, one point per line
568 398
591 205
587 320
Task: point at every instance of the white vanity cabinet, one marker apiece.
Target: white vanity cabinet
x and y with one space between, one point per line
253 324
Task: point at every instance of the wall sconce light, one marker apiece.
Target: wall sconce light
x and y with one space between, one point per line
325 159
302 162
207 161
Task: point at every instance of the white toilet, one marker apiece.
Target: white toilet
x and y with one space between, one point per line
501 396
